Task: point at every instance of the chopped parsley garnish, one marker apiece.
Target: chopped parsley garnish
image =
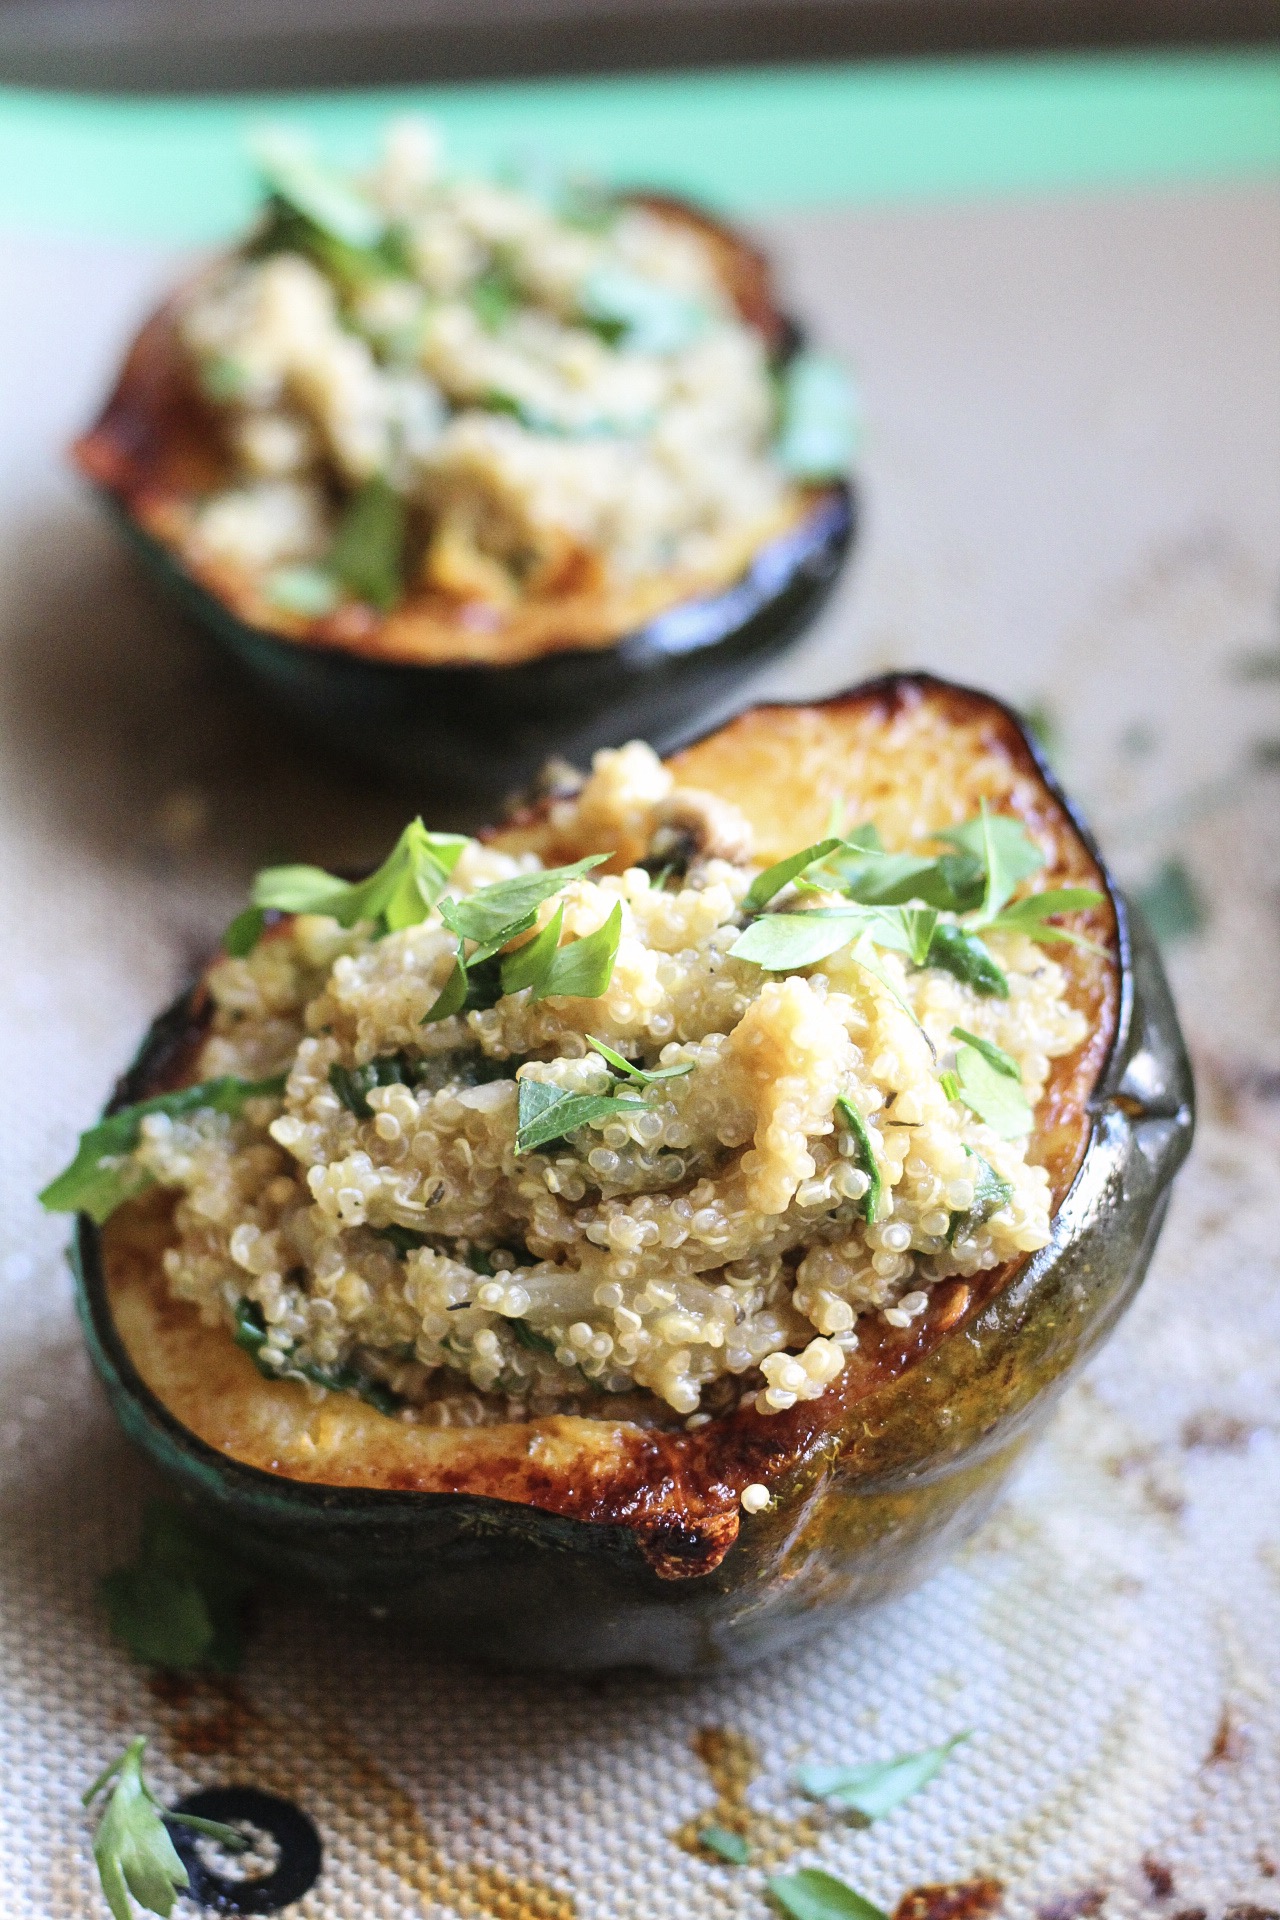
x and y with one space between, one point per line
963 955
104 1174
530 1338
179 1605
548 1113
493 916
251 1334
353 1085
405 1240
244 933
864 1154
812 1894
401 892
367 554
729 1845
643 1076
895 900
132 1848
875 1790
989 1083
990 1193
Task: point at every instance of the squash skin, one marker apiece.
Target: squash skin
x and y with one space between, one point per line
465 727
480 733
870 1495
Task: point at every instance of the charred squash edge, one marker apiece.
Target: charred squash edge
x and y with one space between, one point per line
675 1495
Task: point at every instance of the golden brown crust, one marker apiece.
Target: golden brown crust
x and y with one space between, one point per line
918 755
156 450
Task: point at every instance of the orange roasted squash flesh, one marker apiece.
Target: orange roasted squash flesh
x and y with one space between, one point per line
157 449
914 755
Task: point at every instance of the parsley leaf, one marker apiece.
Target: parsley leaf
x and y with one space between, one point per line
875 1790
530 964
132 1848
865 1156
990 1193
818 430
784 942
964 956
783 872
244 933
994 1056
293 174
812 1894
583 969
1007 851
549 1113
643 1076
990 1090
645 317
103 1174
729 1845
179 1605
1032 915
399 894
367 554
495 914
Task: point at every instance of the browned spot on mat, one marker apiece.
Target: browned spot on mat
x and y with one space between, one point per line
1248 1912
347 1794
1267 1866
1229 1743
1215 1432
1074 1906
1159 1877
952 1900
733 1762
1189 1913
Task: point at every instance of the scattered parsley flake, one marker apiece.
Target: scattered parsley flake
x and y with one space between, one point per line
643 1076
729 1845
367 555
132 1848
875 1790
179 1606
812 1894
400 893
548 1113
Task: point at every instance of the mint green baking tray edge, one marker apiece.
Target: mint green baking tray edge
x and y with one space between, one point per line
174 170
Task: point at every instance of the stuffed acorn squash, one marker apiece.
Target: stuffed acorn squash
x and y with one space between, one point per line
468 473
644 1233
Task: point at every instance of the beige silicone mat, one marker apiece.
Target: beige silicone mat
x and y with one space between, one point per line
1073 488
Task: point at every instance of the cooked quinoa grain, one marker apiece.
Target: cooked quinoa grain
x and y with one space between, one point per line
704 1239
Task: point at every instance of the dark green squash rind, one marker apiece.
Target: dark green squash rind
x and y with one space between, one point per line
867 1511
483 732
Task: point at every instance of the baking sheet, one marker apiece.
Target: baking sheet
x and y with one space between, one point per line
1072 476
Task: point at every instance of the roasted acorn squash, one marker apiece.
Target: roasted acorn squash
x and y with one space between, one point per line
424 692
588 1543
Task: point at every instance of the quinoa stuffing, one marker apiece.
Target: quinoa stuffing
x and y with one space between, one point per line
484 395
508 1139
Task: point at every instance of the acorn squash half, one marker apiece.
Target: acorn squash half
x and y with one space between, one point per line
585 1543
432 691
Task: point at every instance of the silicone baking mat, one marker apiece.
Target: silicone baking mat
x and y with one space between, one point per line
1072 476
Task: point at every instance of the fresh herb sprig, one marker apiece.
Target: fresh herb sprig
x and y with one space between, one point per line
132 1847
990 1193
180 1605
104 1173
